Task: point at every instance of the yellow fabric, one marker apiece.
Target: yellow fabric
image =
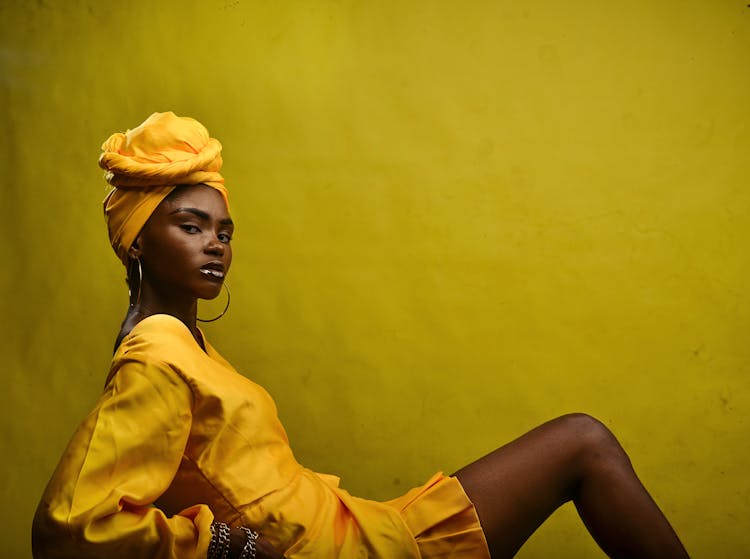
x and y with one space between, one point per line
180 429
443 520
146 163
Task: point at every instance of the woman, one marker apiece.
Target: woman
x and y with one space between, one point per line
183 457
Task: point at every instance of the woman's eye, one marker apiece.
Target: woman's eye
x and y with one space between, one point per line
225 237
190 228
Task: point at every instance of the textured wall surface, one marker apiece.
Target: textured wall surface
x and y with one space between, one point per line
455 221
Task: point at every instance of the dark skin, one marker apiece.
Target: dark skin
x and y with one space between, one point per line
185 253
189 232
514 489
572 458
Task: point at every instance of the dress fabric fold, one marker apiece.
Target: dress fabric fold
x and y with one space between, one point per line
179 438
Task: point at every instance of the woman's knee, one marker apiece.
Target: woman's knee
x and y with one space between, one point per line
592 439
583 423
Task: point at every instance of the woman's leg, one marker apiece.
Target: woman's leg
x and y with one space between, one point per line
515 488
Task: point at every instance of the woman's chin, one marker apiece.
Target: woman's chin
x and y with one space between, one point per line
211 293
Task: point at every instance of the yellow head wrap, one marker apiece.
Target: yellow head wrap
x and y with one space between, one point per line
146 163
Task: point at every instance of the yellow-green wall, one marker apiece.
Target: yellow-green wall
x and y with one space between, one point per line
456 220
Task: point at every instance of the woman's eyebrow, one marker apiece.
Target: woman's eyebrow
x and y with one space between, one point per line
195 211
201 214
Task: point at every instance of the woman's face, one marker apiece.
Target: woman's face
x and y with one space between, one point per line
185 247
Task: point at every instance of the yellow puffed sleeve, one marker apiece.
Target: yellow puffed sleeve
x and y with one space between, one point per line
99 502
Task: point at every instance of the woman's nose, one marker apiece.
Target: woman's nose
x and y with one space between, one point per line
215 246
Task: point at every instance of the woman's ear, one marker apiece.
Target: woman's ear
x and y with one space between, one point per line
134 252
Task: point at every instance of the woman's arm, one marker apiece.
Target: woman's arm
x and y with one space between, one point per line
99 502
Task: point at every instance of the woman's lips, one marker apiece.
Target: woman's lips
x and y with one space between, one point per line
212 273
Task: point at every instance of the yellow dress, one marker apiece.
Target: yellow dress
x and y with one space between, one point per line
179 438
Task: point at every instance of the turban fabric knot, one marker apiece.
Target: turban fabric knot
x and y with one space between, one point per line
146 163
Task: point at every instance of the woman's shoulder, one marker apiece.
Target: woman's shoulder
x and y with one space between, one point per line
162 323
159 343
158 334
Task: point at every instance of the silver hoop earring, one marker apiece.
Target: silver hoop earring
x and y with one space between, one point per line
130 287
229 298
